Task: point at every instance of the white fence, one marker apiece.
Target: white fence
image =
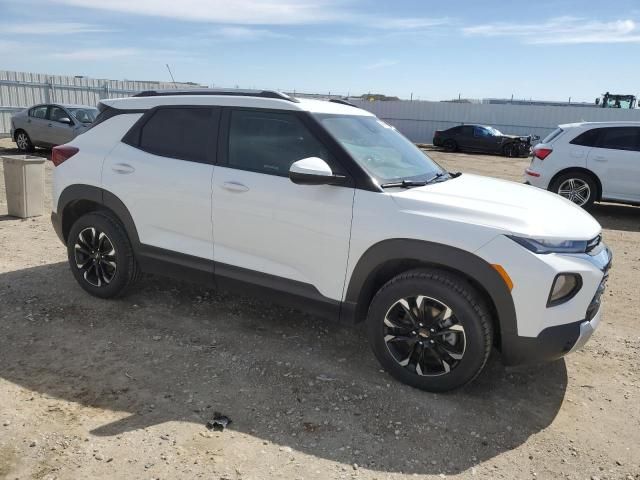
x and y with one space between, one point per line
19 90
419 120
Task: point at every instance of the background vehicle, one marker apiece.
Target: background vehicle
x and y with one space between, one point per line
589 162
324 206
612 100
50 125
482 138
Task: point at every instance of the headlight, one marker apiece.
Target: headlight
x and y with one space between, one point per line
564 288
551 246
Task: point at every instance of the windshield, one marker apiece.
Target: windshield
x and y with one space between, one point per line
84 115
379 148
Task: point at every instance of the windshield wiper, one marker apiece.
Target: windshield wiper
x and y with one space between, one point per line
404 184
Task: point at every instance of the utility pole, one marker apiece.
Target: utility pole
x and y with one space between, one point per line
172 79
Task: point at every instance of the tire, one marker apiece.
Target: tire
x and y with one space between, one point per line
92 239
579 187
450 145
23 142
510 150
451 322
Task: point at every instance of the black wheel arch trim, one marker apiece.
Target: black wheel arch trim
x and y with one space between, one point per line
103 198
387 252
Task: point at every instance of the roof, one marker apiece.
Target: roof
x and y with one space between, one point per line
235 98
629 123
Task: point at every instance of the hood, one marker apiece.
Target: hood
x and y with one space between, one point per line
522 138
502 205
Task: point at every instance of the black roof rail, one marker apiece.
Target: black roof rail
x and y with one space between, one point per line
233 92
342 102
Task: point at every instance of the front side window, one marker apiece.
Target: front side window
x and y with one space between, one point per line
269 142
379 148
178 132
38 112
620 138
482 132
56 114
84 115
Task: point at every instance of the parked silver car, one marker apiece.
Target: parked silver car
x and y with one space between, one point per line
48 125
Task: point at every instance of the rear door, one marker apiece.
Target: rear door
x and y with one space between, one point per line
464 137
162 171
36 125
615 159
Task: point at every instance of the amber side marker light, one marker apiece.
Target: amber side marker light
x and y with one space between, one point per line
505 276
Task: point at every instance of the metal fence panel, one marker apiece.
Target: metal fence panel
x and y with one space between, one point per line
419 120
22 89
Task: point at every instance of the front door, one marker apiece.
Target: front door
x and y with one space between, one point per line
266 228
57 132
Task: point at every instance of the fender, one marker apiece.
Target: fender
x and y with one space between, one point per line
387 252
74 193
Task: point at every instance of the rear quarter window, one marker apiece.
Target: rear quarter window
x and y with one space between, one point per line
588 138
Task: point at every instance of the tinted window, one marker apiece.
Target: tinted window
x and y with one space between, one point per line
619 138
269 142
38 112
57 113
588 138
481 132
466 130
182 133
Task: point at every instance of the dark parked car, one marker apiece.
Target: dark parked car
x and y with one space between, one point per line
482 138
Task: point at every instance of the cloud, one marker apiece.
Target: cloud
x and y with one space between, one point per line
381 64
346 41
50 28
562 30
412 23
266 12
96 53
245 33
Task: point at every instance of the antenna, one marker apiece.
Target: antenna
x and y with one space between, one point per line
172 79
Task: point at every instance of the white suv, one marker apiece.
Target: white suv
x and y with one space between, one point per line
324 206
589 162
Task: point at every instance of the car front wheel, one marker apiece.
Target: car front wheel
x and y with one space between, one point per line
430 329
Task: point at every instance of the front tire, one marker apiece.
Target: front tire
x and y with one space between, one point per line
511 150
430 329
578 187
100 255
23 142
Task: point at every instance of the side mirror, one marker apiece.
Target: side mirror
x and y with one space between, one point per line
65 120
314 171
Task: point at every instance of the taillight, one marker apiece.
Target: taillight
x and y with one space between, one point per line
542 153
62 153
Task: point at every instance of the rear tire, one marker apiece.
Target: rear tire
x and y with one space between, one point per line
450 145
23 142
441 341
578 187
100 255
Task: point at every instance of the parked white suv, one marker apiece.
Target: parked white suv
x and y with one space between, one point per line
589 162
322 205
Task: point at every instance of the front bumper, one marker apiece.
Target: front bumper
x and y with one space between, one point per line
546 333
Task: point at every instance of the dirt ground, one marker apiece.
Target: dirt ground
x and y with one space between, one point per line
123 389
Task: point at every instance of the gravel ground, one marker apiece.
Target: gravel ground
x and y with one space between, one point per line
123 389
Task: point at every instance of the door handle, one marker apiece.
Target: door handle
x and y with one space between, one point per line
50 125
235 187
600 159
123 168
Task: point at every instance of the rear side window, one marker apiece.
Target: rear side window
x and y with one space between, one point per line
182 132
620 138
269 142
38 112
552 136
466 130
586 139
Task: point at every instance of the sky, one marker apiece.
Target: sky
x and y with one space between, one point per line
433 50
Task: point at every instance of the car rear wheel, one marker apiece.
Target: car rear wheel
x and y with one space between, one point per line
578 187
23 142
450 145
100 255
430 329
